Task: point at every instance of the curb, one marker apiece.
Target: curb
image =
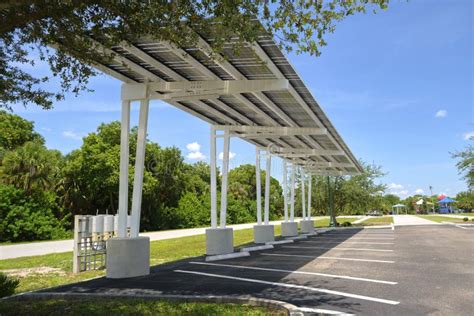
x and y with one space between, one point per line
289 309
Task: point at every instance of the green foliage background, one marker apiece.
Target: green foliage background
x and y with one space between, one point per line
41 190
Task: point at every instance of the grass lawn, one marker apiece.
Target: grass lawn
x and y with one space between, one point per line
126 307
439 219
464 214
161 251
324 222
379 220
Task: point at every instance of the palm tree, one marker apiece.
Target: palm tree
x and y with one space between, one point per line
31 167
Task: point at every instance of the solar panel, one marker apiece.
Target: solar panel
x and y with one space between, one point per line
166 67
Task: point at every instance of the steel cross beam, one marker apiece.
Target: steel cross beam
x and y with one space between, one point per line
200 89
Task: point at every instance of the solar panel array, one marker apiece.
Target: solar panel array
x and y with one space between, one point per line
148 60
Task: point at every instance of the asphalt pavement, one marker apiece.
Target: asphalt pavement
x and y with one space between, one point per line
412 270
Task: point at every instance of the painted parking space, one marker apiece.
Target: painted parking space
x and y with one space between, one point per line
393 282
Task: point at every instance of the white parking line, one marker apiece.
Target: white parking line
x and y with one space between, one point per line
353 238
321 311
349 242
327 258
340 248
294 286
296 272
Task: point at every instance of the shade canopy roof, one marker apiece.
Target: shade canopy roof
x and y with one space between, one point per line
277 97
446 200
398 206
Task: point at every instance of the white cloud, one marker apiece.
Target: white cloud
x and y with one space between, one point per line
231 155
468 135
441 113
195 155
195 151
72 135
395 186
46 129
401 193
419 191
193 147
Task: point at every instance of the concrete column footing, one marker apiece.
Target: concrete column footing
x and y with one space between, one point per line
219 241
263 233
128 257
307 226
289 229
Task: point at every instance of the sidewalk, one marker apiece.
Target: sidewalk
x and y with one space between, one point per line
405 220
47 247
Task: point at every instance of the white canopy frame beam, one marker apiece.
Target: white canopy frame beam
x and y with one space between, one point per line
310 184
225 172
123 177
204 89
259 187
139 168
285 190
303 195
268 169
292 207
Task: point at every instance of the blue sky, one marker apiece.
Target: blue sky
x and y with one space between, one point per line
398 86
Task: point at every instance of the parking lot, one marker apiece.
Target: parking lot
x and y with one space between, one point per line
411 270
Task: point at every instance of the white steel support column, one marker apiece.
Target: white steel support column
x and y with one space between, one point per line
124 160
139 168
303 201
292 208
225 171
310 184
259 187
285 190
267 187
212 159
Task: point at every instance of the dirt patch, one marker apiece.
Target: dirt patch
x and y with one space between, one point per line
29 271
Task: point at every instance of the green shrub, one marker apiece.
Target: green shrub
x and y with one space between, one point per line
346 224
465 219
7 285
25 217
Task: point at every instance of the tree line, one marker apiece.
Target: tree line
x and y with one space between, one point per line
41 189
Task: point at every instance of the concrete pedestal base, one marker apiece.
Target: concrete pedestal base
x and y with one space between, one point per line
128 257
307 226
289 229
263 233
219 241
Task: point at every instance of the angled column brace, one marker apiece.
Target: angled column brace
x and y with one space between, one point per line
139 168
